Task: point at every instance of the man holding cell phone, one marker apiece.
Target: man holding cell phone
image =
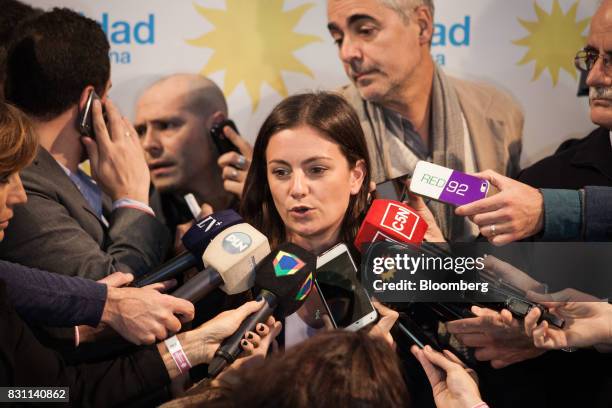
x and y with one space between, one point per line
180 121
75 224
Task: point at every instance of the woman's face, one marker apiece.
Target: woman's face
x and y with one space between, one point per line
311 183
11 194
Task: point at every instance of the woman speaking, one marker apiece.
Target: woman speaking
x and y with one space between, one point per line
309 179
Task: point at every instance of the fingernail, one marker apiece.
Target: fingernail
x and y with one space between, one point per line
259 327
249 335
245 343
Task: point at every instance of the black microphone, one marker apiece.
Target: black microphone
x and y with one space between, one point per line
196 240
284 278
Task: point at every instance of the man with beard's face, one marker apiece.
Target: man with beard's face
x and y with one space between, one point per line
570 201
586 162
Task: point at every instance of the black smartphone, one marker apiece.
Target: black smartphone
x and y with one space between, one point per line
394 189
223 144
85 120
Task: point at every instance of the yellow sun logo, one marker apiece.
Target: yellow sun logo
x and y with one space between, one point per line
553 40
254 41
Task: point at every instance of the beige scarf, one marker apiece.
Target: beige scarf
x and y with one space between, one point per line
391 157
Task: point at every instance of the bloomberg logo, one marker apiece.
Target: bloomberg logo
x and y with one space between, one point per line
136 32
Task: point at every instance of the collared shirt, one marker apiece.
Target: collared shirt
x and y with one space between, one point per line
93 195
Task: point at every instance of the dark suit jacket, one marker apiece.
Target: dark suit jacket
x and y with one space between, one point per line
49 298
57 230
575 164
123 381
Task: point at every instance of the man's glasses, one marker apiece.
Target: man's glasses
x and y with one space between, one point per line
585 59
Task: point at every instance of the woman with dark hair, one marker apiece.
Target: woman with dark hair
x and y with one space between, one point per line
309 179
333 369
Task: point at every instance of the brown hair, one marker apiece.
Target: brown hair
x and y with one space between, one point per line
18 142
334 118
333 369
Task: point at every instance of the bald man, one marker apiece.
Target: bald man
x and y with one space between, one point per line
173 121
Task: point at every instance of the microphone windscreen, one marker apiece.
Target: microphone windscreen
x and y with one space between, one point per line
288 272
198 237
389 220
234 253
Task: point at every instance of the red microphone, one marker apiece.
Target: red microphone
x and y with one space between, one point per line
389 220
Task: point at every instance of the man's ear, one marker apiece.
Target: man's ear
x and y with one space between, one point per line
107 89
424 19
216 117
84 95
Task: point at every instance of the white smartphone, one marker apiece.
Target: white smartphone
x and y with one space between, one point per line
345 299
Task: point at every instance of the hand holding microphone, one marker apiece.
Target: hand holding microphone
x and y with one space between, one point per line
196 240
230 261
140 315
284 279
197 346
588 321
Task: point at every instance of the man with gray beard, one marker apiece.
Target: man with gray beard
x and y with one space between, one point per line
570 201
588 161
572 191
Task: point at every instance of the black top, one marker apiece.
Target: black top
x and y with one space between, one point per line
121 381
576 163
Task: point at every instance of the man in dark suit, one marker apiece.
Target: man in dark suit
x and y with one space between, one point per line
72 224
521 211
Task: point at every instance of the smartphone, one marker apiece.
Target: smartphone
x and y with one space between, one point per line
85 120
223 144
394 189
447 185
345 299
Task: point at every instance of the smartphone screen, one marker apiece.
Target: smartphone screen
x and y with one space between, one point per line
345 299
447 185
394 189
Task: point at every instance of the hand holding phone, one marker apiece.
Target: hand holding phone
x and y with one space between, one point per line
117 160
